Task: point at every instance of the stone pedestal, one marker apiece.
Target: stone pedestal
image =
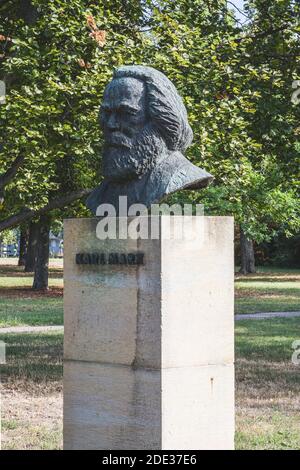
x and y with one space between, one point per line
149 347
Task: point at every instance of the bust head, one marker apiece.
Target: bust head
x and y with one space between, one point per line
146 131
143 118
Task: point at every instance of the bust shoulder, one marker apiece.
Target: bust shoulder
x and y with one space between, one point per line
179 173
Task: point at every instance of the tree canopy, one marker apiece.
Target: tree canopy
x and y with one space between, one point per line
236 81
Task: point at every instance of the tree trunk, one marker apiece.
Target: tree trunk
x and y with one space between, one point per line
247 255
31 247
41 273
23 246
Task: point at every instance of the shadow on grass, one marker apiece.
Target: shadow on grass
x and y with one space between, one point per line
264 354
270 279
267 339
33 357
7 270
277 379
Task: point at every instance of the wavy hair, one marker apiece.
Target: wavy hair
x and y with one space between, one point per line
165 107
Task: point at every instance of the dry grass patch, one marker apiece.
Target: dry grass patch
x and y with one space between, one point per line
28 293
31 421
32 391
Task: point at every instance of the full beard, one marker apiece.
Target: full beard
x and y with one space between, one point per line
121 164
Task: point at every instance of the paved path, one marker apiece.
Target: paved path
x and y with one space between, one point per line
30 329
263 316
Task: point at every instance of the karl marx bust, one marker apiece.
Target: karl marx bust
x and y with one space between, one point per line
146 131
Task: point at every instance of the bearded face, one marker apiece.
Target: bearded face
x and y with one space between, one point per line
132 145
139 155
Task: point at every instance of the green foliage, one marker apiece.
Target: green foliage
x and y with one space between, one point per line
9 236
56 68
237 87
236 81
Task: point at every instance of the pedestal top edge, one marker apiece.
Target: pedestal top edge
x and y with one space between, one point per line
209 217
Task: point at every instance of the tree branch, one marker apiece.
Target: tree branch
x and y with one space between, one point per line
240 11
11 172
57 203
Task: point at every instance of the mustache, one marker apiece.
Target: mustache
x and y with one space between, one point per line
121 164
118 139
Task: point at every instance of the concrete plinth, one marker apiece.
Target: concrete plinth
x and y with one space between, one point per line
149 347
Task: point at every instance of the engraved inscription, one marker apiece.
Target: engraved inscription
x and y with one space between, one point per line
127 259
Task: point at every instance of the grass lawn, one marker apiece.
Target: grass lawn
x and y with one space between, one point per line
269 290
30 311
12 275
20 306
267 385
267 388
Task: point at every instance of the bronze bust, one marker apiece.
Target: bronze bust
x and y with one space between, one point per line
146 131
